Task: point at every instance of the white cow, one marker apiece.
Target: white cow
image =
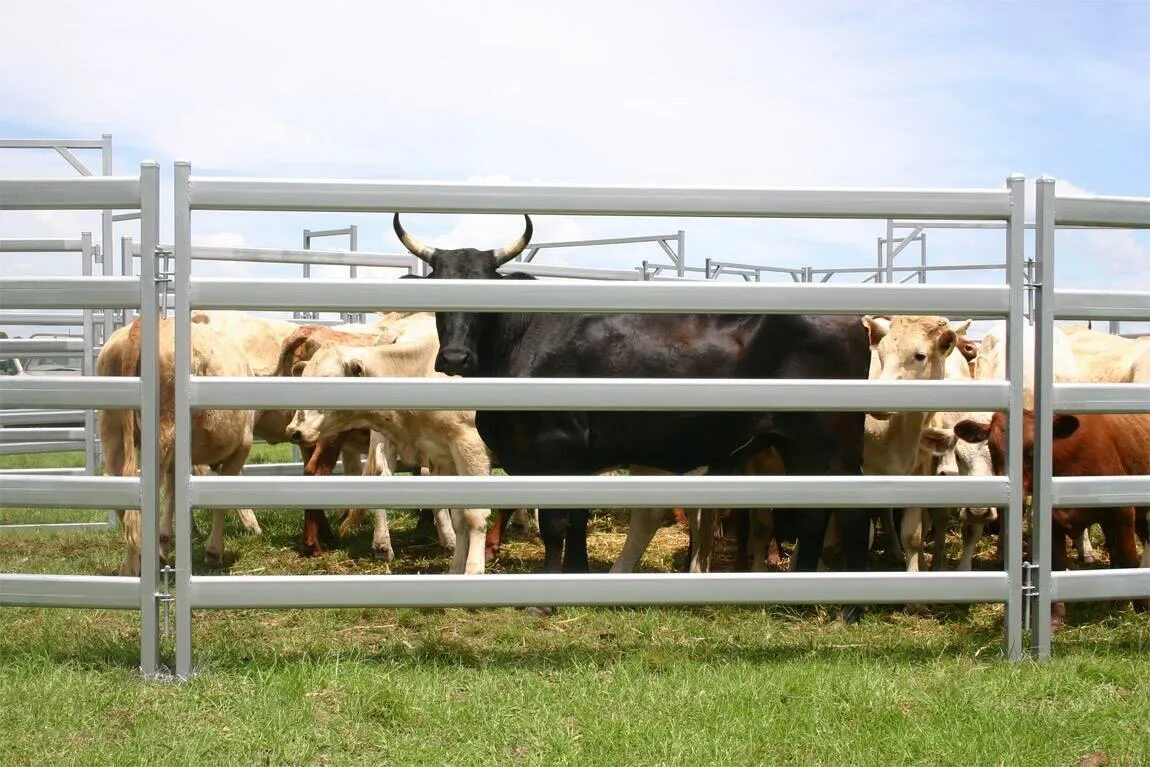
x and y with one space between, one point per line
448 439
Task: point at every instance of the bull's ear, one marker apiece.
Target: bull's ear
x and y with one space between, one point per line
1065 425
877 328
937 441
297 369
972 431
354 368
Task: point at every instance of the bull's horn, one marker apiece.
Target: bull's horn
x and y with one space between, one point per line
503 255
417 248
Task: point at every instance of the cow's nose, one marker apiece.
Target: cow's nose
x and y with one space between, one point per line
297 436
454 360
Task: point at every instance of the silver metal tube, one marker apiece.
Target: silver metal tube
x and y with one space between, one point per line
39 417
27 448
88 361
38 318
69 392
68 292
296 256
327 591
93 193
106 241
670 297
53 492
1098 585
86 591
183 457
71 347
50 143
149 402
1087 492
1122 212
56 433
595 492
1101 305
1101 398
1012 526
73 160
35 245
1043 491
595 394
361 196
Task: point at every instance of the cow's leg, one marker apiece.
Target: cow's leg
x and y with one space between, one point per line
524 522
493 540
553 530
740 522
1057 565
938 523
1085 548
760 539
641 528
470 459
702 524
249 521
320 461
445 529
232 466
130 521
1118 528
910 535
381 462
1142 524
971 534
893 544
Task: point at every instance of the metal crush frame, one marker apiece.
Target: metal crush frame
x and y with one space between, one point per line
1054 212
203 592
42 490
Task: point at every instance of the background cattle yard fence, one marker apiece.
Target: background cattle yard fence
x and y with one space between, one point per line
214 592
1052 304
57 392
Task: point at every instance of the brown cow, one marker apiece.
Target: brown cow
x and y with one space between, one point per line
1084 446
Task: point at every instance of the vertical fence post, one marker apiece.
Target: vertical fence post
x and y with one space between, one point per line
87 363
150 296
1040 509
106 230
681 247
1012 525
182 256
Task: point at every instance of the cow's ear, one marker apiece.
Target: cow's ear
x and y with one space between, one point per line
411 276
972 431
946 342
1065 425
968 349
877 328
961 327
354 368
937 441
297 369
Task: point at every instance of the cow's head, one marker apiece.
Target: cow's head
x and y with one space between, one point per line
994 434
910 348
329 362
459 332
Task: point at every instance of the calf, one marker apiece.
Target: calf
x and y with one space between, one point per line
1084 446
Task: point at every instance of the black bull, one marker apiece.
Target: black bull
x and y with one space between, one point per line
517 345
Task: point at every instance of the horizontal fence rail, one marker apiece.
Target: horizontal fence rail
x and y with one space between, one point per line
64 492
1085 492
596 394
1098 585
583 492
92 193
663 297
70 392
206 193
1101 305
246 591
70 292
87 591
37 245
1120 212
1101 398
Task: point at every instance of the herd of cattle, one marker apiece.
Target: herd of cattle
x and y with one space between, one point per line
227 343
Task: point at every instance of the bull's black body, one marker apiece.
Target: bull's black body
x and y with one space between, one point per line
654 346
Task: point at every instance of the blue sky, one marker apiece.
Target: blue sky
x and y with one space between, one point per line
666 93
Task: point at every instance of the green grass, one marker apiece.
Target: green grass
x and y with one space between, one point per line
721 685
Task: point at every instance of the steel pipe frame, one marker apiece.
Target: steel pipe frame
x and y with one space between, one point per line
238 194
595 394
84 591
1055 212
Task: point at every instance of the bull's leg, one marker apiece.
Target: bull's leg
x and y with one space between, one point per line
321 462
524 522
1057 565
381 462
640 530
381 546
938 524
445 529
575 553
553 530
893 543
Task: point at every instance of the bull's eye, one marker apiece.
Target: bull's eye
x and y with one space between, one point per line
920 357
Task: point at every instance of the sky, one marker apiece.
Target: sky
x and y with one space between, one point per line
718 94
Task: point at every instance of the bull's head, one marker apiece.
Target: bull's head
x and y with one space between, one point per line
460 332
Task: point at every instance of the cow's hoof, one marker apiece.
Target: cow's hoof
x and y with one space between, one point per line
851 614
213 559
384 553
539 612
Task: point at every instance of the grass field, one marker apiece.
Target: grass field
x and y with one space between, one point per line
658 686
